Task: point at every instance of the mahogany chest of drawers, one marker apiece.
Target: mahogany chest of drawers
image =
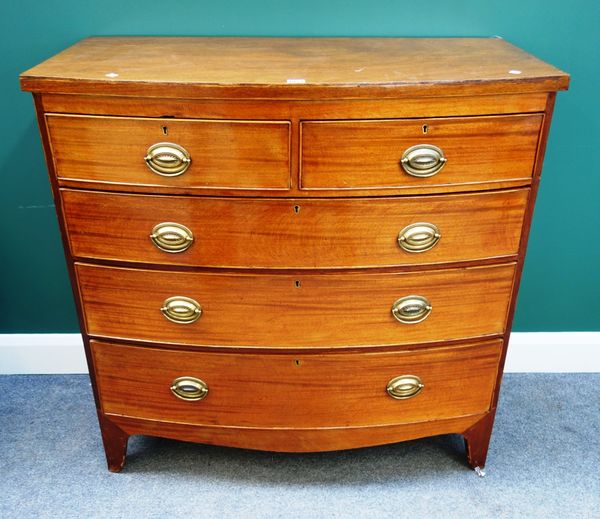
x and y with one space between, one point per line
294 244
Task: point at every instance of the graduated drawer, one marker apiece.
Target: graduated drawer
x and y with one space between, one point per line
296 391
282 310
222 154
473 153
308 233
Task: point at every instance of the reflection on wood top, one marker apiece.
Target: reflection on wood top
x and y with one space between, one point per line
301 68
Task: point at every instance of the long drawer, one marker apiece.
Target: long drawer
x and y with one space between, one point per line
431 155
305 310
296 391
179 153
311 233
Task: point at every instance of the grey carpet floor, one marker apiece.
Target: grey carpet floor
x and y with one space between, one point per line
544 461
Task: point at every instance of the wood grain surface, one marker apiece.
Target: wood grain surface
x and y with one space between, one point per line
295 148
302 391
231 154
285 439
292 67
366 154
258 109
293 233
301 311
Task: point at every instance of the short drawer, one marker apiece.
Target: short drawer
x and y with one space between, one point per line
300 233
283 310
420 155
296 391
178 153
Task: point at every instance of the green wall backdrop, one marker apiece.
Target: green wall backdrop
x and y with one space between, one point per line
561 283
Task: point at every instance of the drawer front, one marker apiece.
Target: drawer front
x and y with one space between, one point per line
296 391
474 152
281 310
297 233
222 154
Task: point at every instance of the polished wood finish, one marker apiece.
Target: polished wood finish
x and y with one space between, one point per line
296 204
225 154
366 154
325 310
115 443
294 233
258 109
292 68
484 436
295 192
293 111
297 439
477 440
327 390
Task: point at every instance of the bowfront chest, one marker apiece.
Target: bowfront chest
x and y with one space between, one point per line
294 244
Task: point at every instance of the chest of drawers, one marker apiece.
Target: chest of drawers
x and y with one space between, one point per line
294 244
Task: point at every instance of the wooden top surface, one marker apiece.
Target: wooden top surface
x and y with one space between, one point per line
292 68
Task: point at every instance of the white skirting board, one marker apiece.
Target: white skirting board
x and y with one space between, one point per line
539 352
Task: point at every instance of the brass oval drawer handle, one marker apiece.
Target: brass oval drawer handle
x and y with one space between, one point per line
189 388
404 387
423 160
167 159
181 310
172 237
411 309
419 237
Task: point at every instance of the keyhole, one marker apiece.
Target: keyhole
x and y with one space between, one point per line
297 362
165 130
297 284
425 129
296 209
